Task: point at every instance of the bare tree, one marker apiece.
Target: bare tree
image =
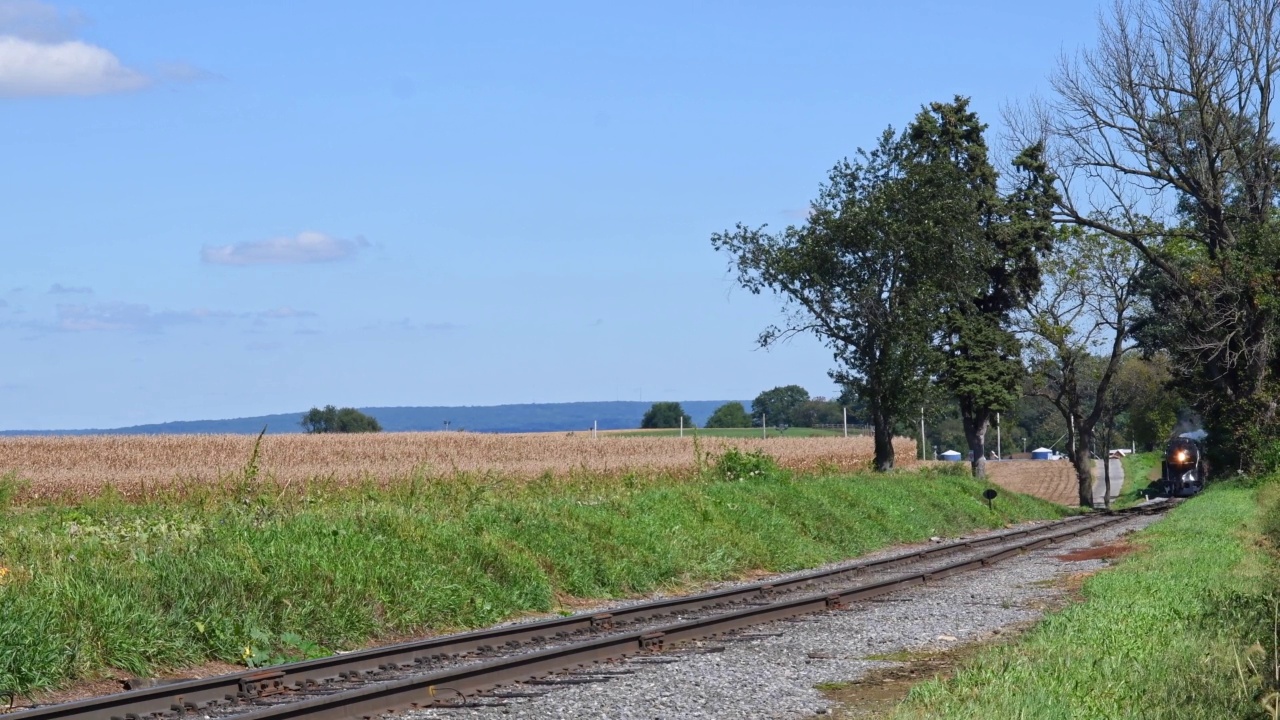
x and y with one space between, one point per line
1162 138
1075 334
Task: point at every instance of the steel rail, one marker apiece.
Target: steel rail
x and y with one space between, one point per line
452 687
181 696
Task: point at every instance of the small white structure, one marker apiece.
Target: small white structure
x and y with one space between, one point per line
1041 454
950 456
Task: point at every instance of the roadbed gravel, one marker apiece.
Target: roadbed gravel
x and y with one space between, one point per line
771 671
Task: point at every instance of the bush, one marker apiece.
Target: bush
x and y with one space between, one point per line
736 466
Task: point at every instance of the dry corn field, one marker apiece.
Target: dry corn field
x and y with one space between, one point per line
137 464
1050 480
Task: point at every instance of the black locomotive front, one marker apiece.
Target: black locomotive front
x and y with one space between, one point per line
1183 468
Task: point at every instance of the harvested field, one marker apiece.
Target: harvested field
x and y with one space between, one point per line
1050 480
137 464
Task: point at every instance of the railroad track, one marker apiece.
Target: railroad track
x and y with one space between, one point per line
447 670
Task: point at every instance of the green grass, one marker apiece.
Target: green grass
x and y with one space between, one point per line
1167 634
1138 469
743 432
258 577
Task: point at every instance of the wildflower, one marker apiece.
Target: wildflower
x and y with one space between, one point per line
4 572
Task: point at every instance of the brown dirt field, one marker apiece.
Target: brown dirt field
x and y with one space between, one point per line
1052 480
137 465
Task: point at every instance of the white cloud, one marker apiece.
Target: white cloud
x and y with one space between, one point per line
305 247
40 55
29 68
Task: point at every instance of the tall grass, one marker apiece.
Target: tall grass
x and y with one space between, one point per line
1173 632
181 578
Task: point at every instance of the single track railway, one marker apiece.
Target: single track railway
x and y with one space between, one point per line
445 670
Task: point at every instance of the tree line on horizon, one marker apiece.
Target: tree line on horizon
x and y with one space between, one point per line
1129 249
781 407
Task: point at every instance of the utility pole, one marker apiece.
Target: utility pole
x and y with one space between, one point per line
764 427
998 453
845 410
681 426
922 455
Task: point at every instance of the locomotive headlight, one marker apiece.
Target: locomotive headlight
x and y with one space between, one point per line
1180 456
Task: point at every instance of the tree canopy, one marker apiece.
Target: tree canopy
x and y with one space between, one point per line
908 269
338 420
779 405
1162 139
665 415
729 415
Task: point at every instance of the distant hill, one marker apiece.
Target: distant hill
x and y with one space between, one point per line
542 417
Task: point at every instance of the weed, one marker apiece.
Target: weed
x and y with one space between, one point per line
735 465
11 486
265 650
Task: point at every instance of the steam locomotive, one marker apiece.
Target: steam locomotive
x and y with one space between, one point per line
1184 468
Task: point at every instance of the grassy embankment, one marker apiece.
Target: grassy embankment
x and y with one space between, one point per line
1138 474
260 573
1183 628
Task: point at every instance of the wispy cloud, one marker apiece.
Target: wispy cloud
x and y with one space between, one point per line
38 21
285 312
798 213
119 316
60 289
414 326
181 72
303 248
141 318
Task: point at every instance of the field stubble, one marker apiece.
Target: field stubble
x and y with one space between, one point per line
137 465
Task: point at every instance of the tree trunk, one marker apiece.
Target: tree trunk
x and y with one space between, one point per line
884 439
975 433
1084 467
1108 438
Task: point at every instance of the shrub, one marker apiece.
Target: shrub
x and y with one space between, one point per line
736 466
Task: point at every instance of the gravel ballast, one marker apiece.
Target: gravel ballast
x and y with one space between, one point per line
771 671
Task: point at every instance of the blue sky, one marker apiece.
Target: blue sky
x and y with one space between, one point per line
236 208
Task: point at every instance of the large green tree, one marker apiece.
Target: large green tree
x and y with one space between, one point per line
817 411
729 415
779 405
909 267
1163 139
856 276
665 415
999 238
